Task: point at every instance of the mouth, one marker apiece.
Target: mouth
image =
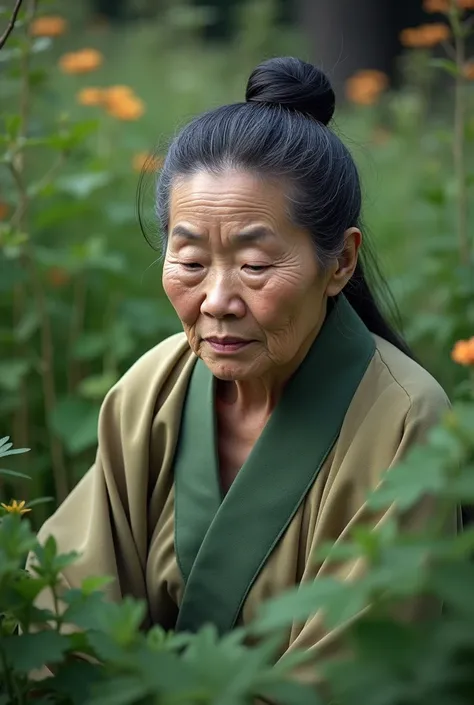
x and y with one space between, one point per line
227 344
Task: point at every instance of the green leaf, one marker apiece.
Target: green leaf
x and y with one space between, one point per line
76 680
291 693
83 185
75 421
94 583
446 65
6 448
90 346
39 500
12 373
97 386
422 472
13 473
123 621
27 652
452 582
28 326
41 44
122 690
340 601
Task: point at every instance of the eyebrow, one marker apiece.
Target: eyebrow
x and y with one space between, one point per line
254 234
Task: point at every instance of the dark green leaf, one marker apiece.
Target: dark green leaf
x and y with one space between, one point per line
13 473
30 651
75 422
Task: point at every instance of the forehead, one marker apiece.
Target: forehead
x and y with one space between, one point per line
231 195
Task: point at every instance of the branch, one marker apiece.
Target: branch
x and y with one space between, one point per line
11 24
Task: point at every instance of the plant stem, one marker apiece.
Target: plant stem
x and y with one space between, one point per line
459 141
47 351
11 24
7 675
77 323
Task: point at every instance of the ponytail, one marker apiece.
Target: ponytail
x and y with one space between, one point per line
359 294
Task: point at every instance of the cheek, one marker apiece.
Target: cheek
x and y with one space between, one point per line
184 299
283 300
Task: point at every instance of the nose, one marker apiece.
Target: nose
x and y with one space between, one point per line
222 297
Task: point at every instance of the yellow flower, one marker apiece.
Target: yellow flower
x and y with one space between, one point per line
365 87
90 96
463 352
16 507
425 36
48 26
146 162
82 61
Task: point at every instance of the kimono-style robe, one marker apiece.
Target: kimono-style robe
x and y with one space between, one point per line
150 512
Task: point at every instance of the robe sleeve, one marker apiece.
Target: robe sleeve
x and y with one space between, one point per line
95 519
107 518
313 635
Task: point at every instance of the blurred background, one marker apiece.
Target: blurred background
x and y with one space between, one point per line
90 94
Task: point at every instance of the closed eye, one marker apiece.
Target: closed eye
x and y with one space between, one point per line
191 266
255 268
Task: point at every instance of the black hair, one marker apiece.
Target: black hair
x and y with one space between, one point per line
282 131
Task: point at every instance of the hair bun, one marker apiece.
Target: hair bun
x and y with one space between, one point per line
294 84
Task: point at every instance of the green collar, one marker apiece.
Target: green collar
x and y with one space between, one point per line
222 544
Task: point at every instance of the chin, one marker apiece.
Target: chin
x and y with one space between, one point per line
230 371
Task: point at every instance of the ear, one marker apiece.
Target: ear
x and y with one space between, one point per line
346 262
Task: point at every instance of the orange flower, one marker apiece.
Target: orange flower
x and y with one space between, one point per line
444 6
469 70
441 6
81 61
463 352
48 26
147 162
91 96
127 107
3 210
57 277
425 36
365 87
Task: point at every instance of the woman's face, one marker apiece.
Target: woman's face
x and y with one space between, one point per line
243 279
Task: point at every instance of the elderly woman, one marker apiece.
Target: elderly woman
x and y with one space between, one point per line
228 453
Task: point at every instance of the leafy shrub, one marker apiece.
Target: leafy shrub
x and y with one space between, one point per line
389 661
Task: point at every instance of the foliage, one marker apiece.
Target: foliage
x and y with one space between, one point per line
96 652
75 311
80 318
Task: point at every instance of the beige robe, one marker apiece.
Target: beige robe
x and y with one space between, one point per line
121 515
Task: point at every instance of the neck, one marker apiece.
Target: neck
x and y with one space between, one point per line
260 395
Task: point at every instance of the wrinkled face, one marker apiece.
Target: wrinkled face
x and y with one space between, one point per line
243 279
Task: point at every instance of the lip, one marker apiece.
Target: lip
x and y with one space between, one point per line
227 344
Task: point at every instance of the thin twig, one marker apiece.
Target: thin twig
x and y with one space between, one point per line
458 143
11 24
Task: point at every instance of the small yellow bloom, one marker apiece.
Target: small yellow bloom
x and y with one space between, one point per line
16 507
48 26
82 61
